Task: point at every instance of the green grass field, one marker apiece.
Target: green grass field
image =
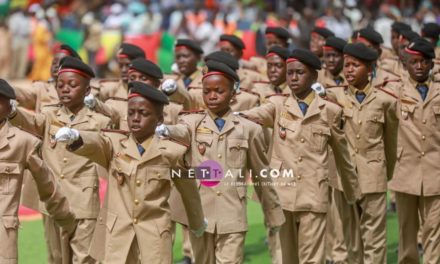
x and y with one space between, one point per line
32 247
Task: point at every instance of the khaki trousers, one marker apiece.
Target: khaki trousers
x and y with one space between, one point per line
336 248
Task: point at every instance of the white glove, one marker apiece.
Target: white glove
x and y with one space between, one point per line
199 232
162 131
67 135
319 89
90 101
169 86
13 104
236 113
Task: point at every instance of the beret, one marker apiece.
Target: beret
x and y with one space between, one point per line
6 90
431 30
147 91
335 43
71 64
279 51
192 45
360 51
218 68
234 40
399 27
409 35
131 51
69 51
223 57
146 67
305 56
421 46
371 35
324 32
279 32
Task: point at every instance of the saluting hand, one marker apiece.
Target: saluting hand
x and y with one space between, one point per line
67 135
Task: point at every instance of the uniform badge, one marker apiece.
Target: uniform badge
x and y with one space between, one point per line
202 148
282 132
120 178
404 115
52 142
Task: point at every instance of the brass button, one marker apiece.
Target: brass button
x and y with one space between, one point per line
298 177
356 150
302 140
100 219
136 201
238 145
138 182
360 108
358 136
219 193
158 175
423 137
300 158
359 122
375 119
135 221
423 153
65 160
8 169
424 121
62 176
220 138
119 169
320 131
219 156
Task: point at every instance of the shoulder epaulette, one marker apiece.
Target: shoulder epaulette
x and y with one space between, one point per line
118 99
388 92
177 141
390 72
264 82
250 92
386 81
326 98
108 80
197 111
194 87
336 86
255 120
119 131
29 132
277 94
53 105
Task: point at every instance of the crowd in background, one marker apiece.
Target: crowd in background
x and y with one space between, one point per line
29 32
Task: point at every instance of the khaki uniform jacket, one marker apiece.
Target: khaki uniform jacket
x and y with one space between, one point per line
37 96
328 80
112 88
19 151
248 77
300 144
259 63
137 207
371 131
417 170
266 89
238 148
77 176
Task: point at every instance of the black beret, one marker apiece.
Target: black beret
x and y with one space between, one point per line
131 51
431 30
223 57
335 43
147 91
305 56
360 51
71 64
399 27
279 32
371 35
215 66
280 51
68 50
192 45
146 67
421 45
409 35
234 40
324 32
6 90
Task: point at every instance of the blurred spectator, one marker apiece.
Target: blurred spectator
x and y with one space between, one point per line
92 39
20 28
387 16
337 22
207 35
5 50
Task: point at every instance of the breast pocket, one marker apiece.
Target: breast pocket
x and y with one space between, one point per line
436 111
10 177
375 123
237 152
157 182
319 138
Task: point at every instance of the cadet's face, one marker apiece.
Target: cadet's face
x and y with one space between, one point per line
56 64
140 77
71 89
143 117
300 78
402 53
186 60
356 72
226 46
5 108
273 40
418 67
316 44
124 64
395 41
334 61
276 69
217 93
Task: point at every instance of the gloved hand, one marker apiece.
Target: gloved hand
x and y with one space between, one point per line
67 135
319 89
162 131
13 104
199 232
90 101
169 86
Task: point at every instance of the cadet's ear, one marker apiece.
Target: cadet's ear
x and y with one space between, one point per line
88 89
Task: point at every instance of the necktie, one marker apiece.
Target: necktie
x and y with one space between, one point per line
338 80
278 90
72 117
303 106
140 149
360 96
423 90
219 123
186 81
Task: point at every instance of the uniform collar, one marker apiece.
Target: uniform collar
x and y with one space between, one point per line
5 134
414 83
308 100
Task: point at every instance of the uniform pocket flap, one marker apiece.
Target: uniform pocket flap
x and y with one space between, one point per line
276 163
158 173
321 130
10 221
409 108
238 143
89 182
348 112
241 190
436 109
375 155
377 118
399 152
9 168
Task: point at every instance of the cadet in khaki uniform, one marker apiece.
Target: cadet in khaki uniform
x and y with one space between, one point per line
371 127
237 145
76 175
137 213
20 151
431 32
331 75
317 40
416 176
305 126
117 89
